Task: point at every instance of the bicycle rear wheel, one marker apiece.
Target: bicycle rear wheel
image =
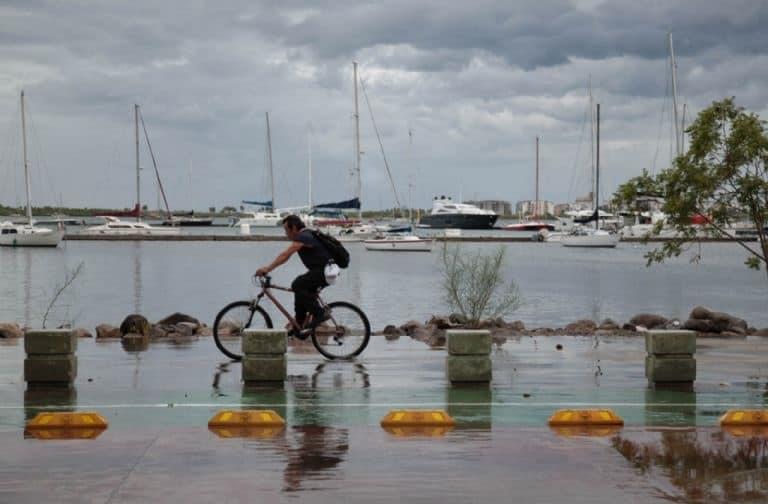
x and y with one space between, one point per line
345 334
230 323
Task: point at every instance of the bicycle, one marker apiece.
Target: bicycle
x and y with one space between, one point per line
344 334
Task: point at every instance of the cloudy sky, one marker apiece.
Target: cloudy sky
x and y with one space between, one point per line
475 82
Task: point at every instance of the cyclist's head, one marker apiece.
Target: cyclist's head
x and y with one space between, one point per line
292 224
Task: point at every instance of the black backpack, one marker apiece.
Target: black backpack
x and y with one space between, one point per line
336 250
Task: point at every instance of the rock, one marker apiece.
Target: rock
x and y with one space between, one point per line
648 320
204 331
135 324
751 330
761 332
605 332
498 339
107 331
440 322
391 330
629 327
438 339
581 327
423 333
410 326
9 331
458 319
732 334
158 332
672 324
82 333
227 328
516 326
178 317
558 346
486 324
699 325
608 325
700 313
185 328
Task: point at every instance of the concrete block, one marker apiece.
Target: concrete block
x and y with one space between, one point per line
264 341
50 368
469 368
670 369
50 342
670 342
264 369
468 342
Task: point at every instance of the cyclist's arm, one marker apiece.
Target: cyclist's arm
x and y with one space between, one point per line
282 258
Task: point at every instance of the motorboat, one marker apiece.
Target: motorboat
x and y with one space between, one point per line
357 232
115 226
399 243
26 235
529 226
447 214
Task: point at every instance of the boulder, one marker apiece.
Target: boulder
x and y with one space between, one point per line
732 334
458 319
227 328
178 317
699 325
185 328
761 332
581 327
629 327
135 324
107 331
423 333
82 333
410 326
648 320
440 322
700 313
608 325
704 320
9 331
391 330
158 331
204 331
516 326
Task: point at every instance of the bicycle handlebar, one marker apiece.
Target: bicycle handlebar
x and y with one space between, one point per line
264 280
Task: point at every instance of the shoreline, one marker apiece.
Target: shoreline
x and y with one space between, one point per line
277 238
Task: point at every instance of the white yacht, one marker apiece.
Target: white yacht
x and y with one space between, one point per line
447 214
399 243
588 237
115 226
28 235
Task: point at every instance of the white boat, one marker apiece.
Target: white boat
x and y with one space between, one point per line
399 243
588 237
582 236
28 235
357 232
447 214
260 219
115 226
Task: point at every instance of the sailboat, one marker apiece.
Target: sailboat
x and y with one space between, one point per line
115 226
582 236
533 224
267 216
28 235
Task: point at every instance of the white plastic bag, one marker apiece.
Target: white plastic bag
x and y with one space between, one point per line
331 272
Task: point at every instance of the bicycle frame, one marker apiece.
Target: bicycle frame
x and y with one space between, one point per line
266 287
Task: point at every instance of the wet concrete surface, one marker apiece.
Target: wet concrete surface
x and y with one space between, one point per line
158 402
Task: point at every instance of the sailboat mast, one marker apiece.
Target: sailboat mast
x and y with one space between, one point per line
357 145
591 142
26 163
138 177
309 165
536 207
597 169
673 64
269 161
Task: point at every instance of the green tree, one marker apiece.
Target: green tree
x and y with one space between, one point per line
721 178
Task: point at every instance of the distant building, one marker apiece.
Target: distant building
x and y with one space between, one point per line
503 208
561 208
529 207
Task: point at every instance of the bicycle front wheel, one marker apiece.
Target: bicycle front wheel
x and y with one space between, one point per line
345 334
230 323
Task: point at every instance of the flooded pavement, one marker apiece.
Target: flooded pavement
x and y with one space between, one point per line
158 446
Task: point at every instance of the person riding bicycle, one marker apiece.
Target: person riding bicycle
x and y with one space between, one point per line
321 271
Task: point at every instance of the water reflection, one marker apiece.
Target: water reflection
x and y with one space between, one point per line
314 453
707 466
265 396
335 374
137 286
670 407
44 398
471 405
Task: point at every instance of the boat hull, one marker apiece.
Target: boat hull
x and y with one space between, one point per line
388 245
591 241
458 221
529 226
38 238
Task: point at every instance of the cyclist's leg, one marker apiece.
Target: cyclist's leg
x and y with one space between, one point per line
305 289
